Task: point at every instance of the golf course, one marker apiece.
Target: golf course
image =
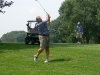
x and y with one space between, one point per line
65 59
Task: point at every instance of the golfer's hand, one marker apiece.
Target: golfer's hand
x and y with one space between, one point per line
48 19
48 15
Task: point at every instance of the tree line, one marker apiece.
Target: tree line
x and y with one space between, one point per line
14 36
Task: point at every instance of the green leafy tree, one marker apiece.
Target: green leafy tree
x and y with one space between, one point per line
55 36
14 36
0 40
85 11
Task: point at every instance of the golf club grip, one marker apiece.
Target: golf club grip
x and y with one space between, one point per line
48 15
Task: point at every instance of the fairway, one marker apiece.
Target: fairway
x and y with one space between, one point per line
65 59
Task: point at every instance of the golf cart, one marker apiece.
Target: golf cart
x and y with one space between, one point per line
32 34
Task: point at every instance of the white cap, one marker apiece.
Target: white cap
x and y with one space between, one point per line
78 23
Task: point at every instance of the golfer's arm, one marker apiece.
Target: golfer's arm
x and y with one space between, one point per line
48 19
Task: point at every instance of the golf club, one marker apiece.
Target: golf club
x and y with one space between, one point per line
41 5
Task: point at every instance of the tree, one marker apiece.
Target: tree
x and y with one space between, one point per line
85 11
54 27
63 23
90 10
14 36
4 4
0 40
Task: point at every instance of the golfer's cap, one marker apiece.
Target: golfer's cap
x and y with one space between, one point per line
78 23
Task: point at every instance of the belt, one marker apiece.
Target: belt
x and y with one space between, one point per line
43 35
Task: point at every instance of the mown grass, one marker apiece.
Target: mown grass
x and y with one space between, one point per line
65 59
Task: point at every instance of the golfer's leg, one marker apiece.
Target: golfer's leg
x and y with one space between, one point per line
78 39
47 52
39 51
77 36
41 39
47 47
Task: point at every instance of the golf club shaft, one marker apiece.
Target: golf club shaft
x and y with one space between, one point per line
41 6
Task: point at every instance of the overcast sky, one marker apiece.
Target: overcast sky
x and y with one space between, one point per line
16 15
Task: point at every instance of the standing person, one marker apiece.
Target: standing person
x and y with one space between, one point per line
44 37
79 32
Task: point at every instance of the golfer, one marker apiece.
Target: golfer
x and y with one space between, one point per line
44 37
79 32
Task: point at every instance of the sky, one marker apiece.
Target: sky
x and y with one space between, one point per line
17 15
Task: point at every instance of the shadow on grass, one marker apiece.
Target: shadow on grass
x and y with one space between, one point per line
16 46
60 60
19 46
2 51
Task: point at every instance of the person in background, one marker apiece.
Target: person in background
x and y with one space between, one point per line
44 36
79 32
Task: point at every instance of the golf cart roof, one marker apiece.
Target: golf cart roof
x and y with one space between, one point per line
32 21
